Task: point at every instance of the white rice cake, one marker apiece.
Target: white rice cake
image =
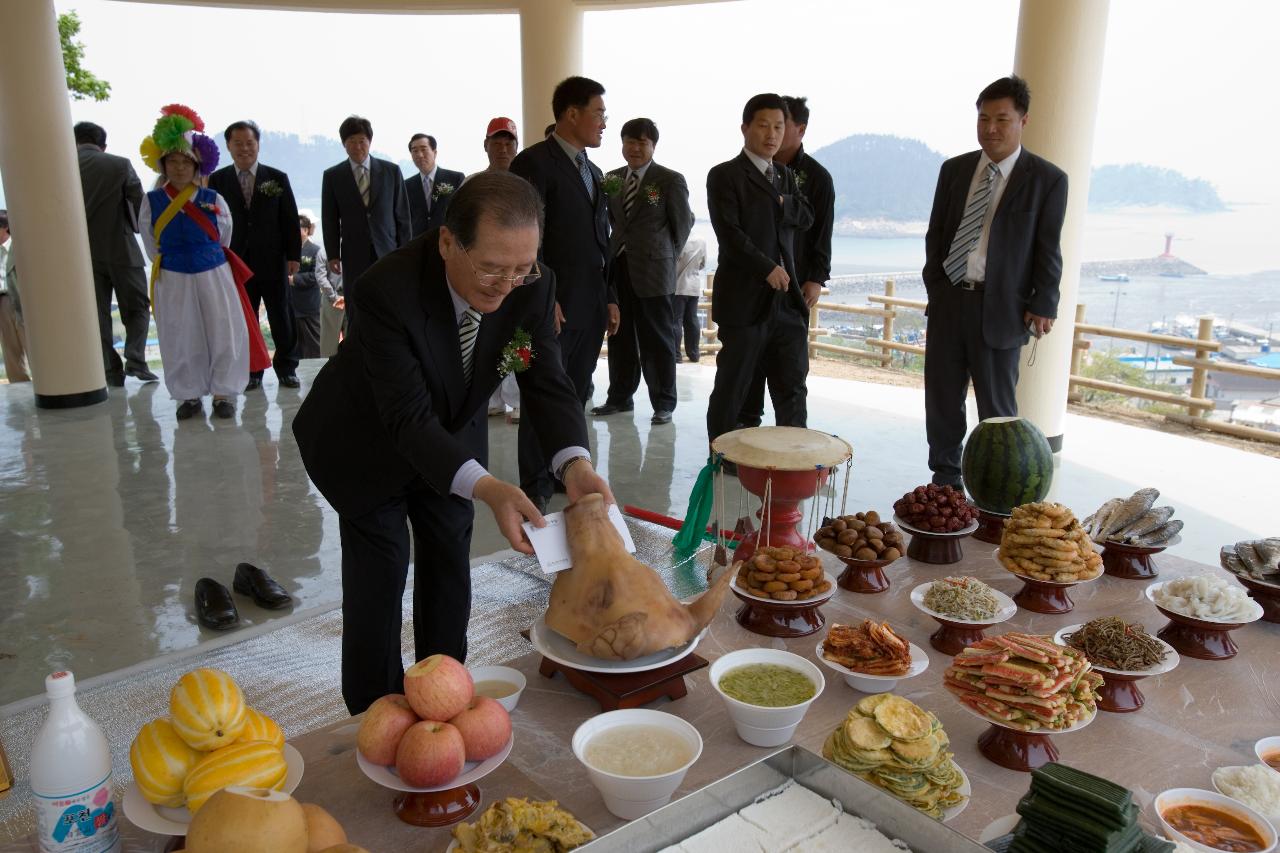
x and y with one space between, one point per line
847 834
791 816
733 833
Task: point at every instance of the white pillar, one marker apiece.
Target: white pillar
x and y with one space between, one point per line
1059 54
550 50
46 208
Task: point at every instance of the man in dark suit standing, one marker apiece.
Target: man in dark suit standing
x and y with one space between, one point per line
993 261
577 237
264 233
756 208
813 246
404 399
651 218
112 194
363 209
428 191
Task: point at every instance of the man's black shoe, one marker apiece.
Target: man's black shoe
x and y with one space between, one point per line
251 580
661 417
254 383
224 409
214 607
141 373
115 380
189 408
611 409
290 381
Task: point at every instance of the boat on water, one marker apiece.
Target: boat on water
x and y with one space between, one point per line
1115 277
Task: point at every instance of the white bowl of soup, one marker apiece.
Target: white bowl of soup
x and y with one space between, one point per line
1212 823
499 682
767 692
1268 752
636 758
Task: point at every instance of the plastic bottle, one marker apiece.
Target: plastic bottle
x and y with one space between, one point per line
71 777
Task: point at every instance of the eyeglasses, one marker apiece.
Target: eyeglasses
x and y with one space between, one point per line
599 115
495 280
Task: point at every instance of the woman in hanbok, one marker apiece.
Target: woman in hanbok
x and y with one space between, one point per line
209 338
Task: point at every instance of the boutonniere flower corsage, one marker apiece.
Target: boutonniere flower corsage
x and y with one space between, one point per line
801 177
211 206
651 193
611 184
306 262
270 189
517 355
441 190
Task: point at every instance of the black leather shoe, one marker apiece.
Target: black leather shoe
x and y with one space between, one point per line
214 607
661 417
189 408
290 381
141 373
224 409
611 409
251 580
254 383
115 380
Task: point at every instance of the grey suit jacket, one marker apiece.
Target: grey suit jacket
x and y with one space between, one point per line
654 232
1024 253
112 195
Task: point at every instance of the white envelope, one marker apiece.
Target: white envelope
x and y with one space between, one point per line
551 545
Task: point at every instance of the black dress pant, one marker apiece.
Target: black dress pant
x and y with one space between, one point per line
684 310
579 352
752 414
375 562
275 293
956 353
130 287
781 345
643 345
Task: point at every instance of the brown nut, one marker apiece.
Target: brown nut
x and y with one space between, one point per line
890 554
843 551
839 524
873 517
847 537
864 554
873 532
857 525
877 545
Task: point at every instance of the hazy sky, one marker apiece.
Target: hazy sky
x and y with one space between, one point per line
1187 84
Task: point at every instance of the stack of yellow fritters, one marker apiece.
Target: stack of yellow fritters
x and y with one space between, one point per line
1044 541
871 648
894 743
783 574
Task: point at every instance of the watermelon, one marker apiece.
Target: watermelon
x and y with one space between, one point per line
1007 462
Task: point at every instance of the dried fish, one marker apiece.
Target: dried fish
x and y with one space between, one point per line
1148 522
1131 510
1161 536
1231 560
1093 524
1269 550
1252 559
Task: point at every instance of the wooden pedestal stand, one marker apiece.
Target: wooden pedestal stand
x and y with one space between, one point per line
1265 594
1131 562
632 689
990 526
438 808
864 576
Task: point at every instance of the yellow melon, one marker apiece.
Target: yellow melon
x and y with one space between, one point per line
161 761
248 820
256 764
207 709
258 726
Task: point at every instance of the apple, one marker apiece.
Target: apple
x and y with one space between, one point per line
430 754
485 727
438 687
382 726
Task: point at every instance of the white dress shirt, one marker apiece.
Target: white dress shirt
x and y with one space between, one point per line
977 264
464 480
5 247
761 163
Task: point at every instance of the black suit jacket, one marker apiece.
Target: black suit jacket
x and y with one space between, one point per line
1024 252
756 234
112 195
392 409
353 234
655 231
813 247
266 235
576 237
420 221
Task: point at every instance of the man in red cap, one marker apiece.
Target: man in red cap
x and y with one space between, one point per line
500 143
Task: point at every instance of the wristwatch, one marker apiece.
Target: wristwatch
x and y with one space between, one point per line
564 469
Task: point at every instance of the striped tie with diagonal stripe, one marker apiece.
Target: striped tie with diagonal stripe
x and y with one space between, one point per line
970 230
468 331
362 184
629 196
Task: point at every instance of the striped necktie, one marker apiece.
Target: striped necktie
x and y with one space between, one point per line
246 187
585 173
970 230
362 183
629 196
468 331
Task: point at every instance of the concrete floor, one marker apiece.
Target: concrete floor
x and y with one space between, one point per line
109 514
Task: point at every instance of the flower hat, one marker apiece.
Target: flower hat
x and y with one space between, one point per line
178 131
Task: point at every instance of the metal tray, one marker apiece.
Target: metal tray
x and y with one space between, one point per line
693 813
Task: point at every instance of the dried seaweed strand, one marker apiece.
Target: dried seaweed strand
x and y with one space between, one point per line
1112 643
